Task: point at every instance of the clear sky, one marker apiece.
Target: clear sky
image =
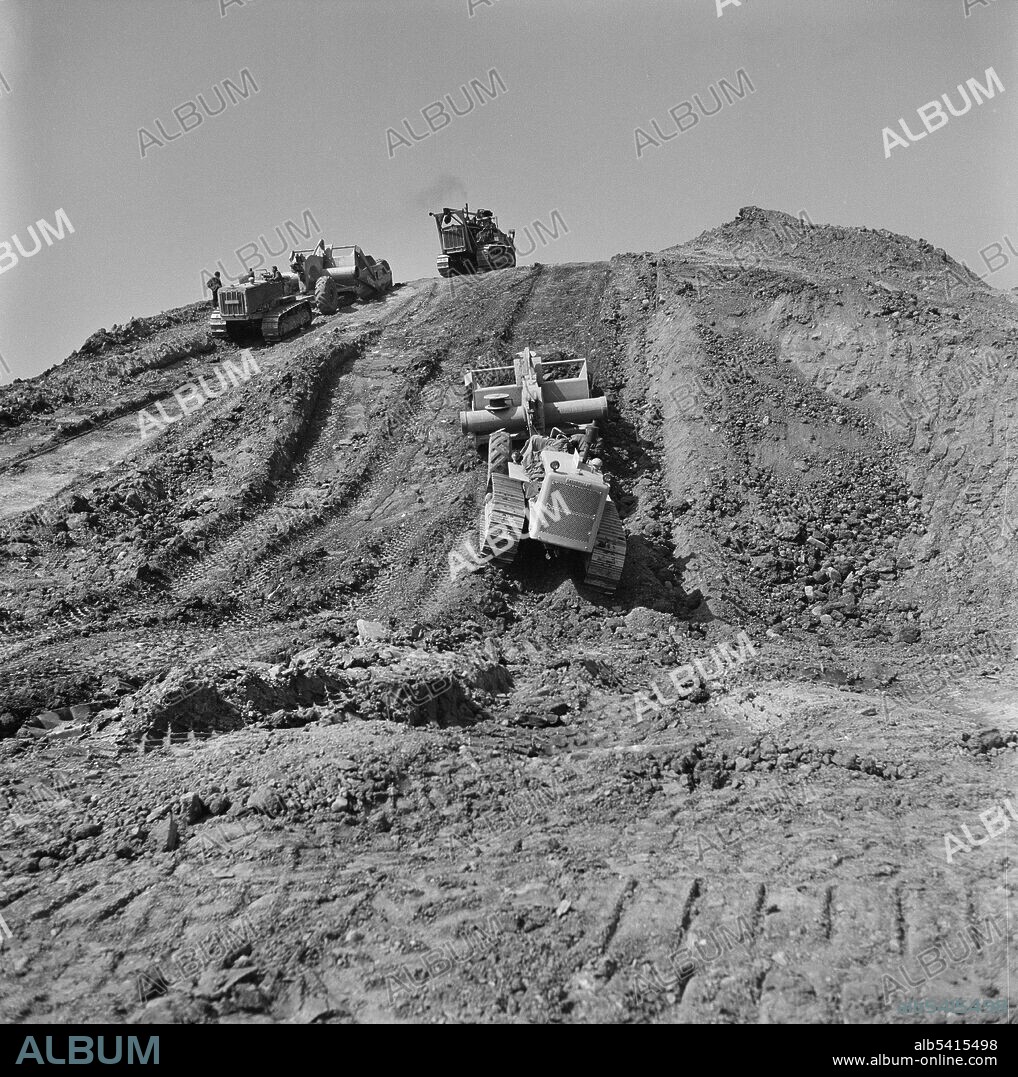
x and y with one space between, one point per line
551 130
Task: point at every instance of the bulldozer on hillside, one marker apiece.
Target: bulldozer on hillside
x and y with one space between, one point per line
472 242
543 484
275 306
323 278
339 275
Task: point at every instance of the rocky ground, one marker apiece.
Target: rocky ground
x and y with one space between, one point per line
263 759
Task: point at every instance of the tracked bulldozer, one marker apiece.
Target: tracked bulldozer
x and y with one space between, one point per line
472 242
543 482
274 306
339 275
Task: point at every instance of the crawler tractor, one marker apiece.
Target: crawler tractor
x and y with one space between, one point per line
274 306
472 242
339 275
541 429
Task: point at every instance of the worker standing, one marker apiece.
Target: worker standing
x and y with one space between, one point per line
215 282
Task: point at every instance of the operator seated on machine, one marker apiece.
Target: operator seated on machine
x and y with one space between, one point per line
556 441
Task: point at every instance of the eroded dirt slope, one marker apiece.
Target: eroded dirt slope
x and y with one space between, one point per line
229 801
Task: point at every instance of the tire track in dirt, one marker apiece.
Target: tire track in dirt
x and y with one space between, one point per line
572 310
291 522
384 460
190 576
561 310
826 916
292 466
381 462
786 920
609 930
295 468
388 457
553 313
493 318
432 589
77 891
41 473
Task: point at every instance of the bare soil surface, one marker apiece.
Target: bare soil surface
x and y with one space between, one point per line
263 759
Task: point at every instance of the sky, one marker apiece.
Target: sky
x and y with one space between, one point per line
315 118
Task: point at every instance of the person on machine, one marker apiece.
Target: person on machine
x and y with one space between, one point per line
214 283
556 442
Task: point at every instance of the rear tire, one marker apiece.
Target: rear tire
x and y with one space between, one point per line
326 295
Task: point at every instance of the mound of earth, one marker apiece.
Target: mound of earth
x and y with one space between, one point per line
265 758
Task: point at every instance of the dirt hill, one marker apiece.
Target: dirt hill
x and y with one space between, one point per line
264 759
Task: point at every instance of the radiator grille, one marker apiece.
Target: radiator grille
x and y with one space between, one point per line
231 301
570 515
452 239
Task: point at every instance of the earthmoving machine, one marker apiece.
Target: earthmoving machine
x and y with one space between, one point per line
472 242
339 275
541 428
274 306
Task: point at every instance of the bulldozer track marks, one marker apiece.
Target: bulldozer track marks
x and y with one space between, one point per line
110 418
325 516
238 548
900 922
772 853
119 903
826 917
759 907
689 905
508 334
610 929
45 911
